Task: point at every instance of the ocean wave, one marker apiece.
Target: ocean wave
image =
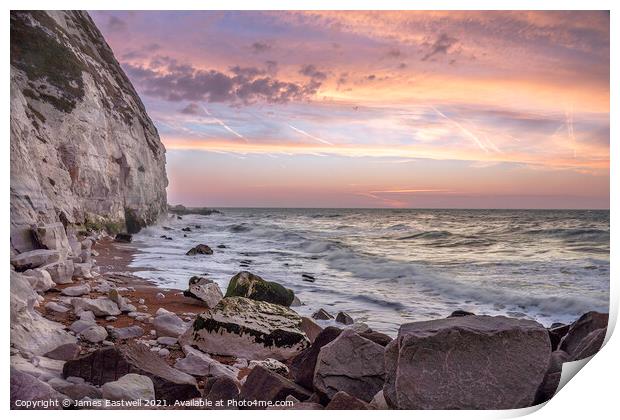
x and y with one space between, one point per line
240 227
399 226
574 234
373 268
431 234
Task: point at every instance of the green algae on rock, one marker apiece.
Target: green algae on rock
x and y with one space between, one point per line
246 284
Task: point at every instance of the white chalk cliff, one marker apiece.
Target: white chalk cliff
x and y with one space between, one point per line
85 158
83 149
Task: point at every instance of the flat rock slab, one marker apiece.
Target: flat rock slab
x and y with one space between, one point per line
248 329
110 364
470 362
33 259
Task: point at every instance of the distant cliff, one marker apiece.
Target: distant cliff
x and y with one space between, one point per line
83 149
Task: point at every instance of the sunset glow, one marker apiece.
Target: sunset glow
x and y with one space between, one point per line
375 109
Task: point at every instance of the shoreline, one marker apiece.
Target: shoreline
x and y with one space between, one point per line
251 346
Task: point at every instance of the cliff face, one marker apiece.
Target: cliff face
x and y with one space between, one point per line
83 149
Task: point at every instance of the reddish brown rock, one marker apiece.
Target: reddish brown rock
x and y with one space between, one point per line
590 345
110 364
344 401
222 388
322 314
65 352
579 330
265 385
556 334
311 328
377 337
201 249
352 364
470 362
549 386
302 366
460 312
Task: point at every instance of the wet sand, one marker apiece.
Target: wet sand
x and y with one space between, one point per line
113 261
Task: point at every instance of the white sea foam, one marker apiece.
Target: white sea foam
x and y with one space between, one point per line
389 267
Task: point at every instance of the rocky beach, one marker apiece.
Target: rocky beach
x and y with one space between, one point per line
104 335
87 332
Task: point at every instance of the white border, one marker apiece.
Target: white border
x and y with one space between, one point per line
592 395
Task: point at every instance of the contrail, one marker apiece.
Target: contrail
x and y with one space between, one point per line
310 135
570 131
220 122
463 129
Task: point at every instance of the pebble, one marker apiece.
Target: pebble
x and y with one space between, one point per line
160 296
164 352
167 341
141 301
111 318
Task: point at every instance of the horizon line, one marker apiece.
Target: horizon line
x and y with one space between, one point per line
394 208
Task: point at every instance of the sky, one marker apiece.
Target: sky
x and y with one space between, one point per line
404 109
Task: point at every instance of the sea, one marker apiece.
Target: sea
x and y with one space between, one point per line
386 267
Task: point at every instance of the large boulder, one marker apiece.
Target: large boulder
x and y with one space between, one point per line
470 362
131 387
248 329
352 364
31 332
204 291
579 330
33 259
304 364
265 385
246 284
112 363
